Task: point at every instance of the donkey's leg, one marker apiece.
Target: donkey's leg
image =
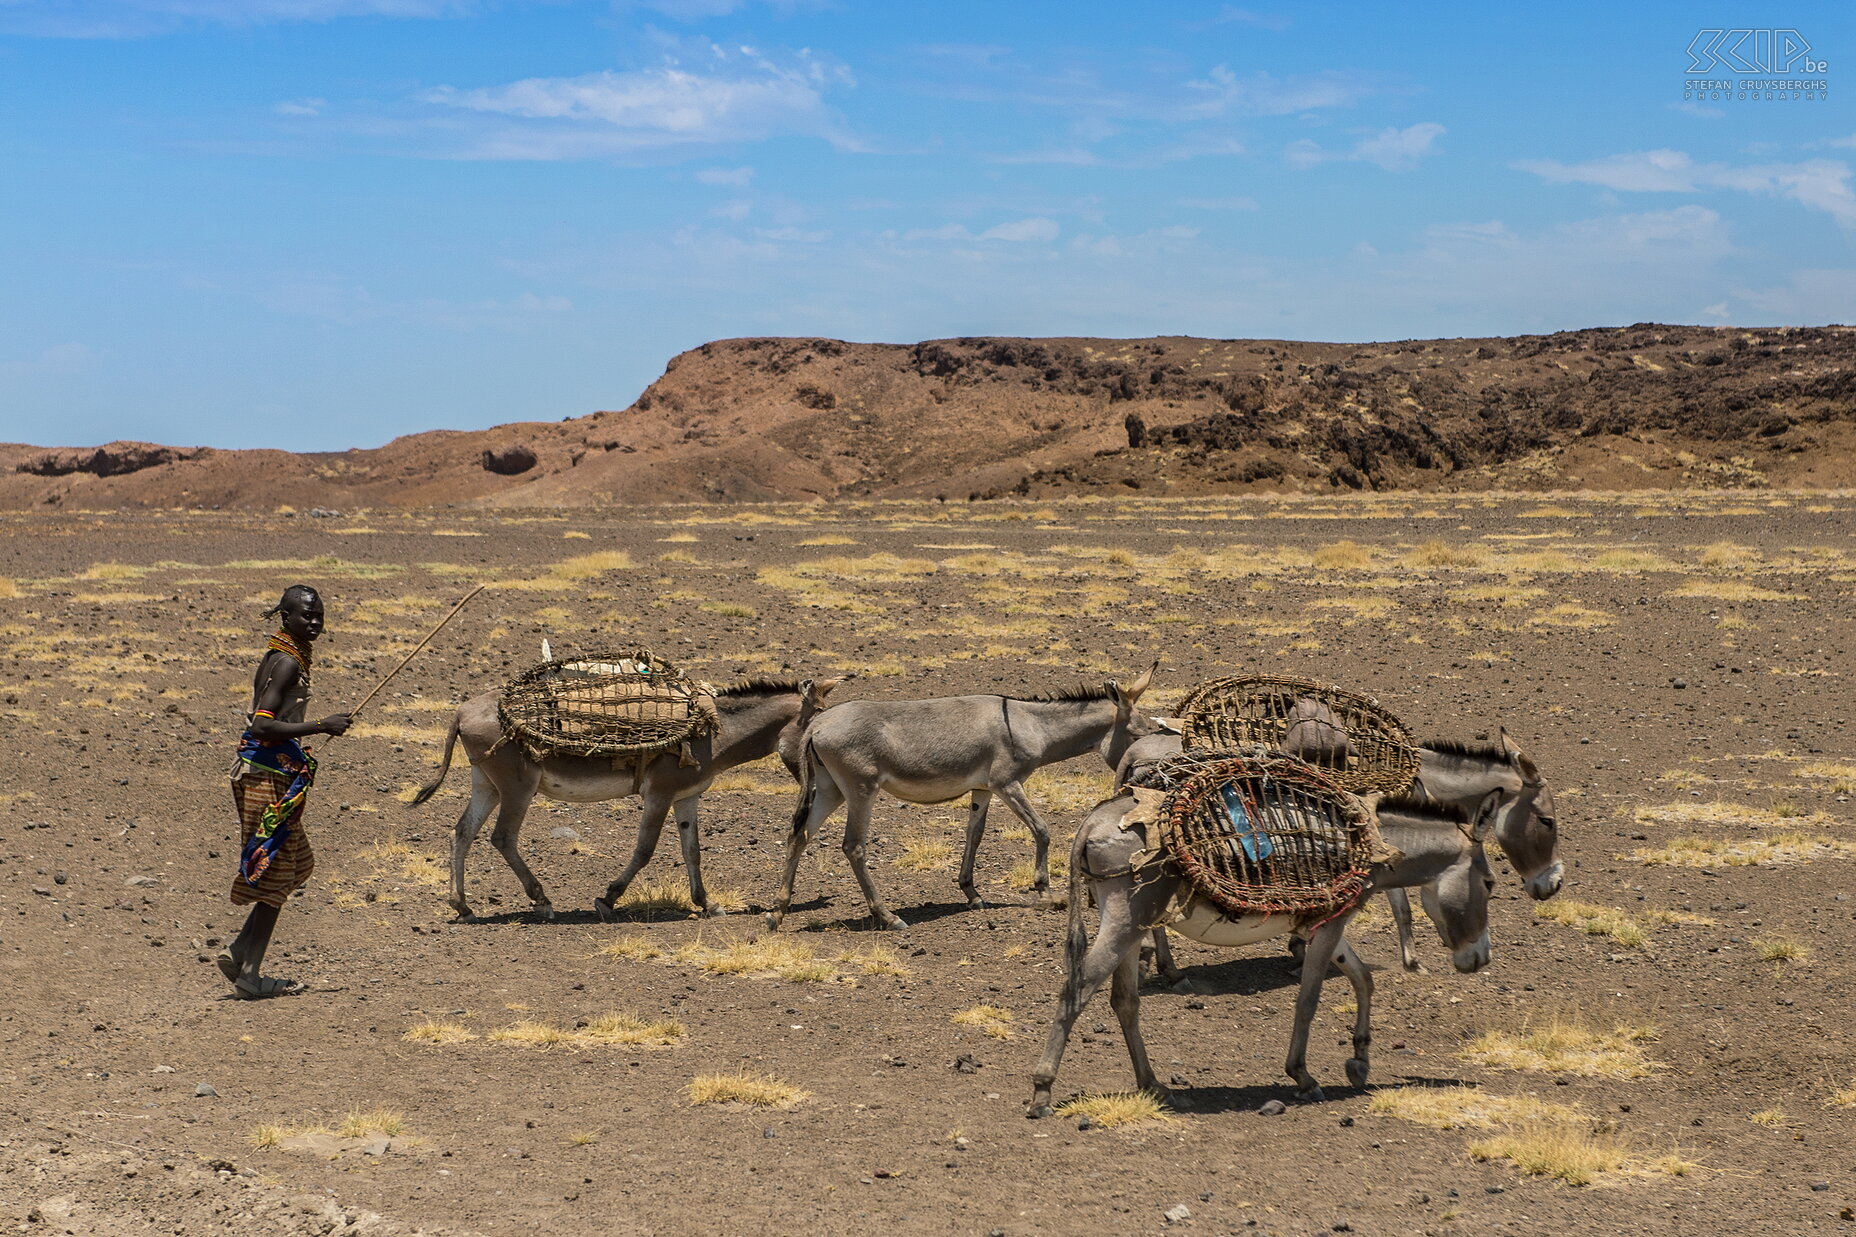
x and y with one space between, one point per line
505 836
826 796
1015 798
691 840
976 828
1315 962
1401 920
1161 952
1359 1065
1118 939
650 829
482 798
856 834
1124 996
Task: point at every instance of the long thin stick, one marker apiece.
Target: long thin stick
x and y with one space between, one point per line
428 639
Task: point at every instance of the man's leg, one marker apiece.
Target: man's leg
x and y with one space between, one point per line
247 948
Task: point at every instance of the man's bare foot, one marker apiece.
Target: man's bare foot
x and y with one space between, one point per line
229 965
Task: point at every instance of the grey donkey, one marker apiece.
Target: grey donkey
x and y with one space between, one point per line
934 751
1439 849
754 718
1524 821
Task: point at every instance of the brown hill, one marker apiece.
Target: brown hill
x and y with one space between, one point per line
1634 407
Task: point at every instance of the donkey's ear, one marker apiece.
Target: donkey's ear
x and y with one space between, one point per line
1132 691
1508 746
818 689
1484 819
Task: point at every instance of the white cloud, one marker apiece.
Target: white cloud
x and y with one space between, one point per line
1224 93
737 208
118 19
1820 184
738 177
739 96
1395 150
1033 229
301 107
698 10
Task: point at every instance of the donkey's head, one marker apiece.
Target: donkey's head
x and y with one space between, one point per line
1438 845
812 693
1526 825
1129 724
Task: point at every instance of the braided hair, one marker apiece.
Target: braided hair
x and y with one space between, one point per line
302 593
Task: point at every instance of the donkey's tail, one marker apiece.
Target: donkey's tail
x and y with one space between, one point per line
1076 936
431 788
808 784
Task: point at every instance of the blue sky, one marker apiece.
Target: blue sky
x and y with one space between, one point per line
322 223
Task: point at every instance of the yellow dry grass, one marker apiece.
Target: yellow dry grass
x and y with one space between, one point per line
433 1032
1116 1108
875 960
1439 553
1565 1046
829 539
632 946
1781 947
1732 590
1024 873
8 587
990 1019
1594 920
926 854
113 571
1344 555
668 898
746 1090
382 1121
606 1031
1771 851
265 1136
767 955
1726 815
1843 1097
1553 1149
1452 1108
1771 1118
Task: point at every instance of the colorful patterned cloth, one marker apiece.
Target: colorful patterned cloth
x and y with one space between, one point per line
270 785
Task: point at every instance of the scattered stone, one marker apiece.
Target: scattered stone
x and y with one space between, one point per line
141 882
206 1090
563 833
1176 1213
966 1064
510 460
1494 1189
1272 1108
769 1133
60 877
1085 1124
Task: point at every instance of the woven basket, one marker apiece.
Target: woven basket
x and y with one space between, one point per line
1258 832
629 705
1353 737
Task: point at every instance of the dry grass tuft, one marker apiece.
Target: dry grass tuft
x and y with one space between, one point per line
582 1138
924 854
269 1135
382 1121
1771 1118
729 609
767 955
534 1034
430 1032
632 946
1726 815
764 1091
991 1019
1843 1097
1732 590
8 588
830 539
1594 920
113 571
621 1028
1452 1108
1552 1149
1116 1108
1566 1047
1781 947
875 960
1439 553
1344 555
1778 849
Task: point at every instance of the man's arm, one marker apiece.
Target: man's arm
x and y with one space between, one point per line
280 677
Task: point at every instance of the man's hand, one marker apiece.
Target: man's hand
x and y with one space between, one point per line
335 724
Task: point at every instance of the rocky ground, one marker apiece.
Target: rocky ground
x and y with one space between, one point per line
1678 665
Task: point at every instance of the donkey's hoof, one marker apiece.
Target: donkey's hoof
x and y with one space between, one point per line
893 924
1312 1094
1037 1112
1415 967
1358 1069
605 910
463 913
773 922
1180 984
712 911
975 902
543 911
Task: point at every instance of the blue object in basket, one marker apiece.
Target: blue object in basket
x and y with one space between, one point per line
1256 843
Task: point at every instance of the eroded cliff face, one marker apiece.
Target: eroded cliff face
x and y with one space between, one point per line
759 419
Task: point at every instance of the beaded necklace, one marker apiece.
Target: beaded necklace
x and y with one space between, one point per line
284 643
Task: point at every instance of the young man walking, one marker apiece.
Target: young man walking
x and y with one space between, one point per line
270 783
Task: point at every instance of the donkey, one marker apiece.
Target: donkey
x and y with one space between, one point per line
1439 849
1524 821
754 718
933 751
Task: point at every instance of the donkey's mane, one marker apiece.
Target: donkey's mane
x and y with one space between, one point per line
760 685
1105 692
1425 809
1469 751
